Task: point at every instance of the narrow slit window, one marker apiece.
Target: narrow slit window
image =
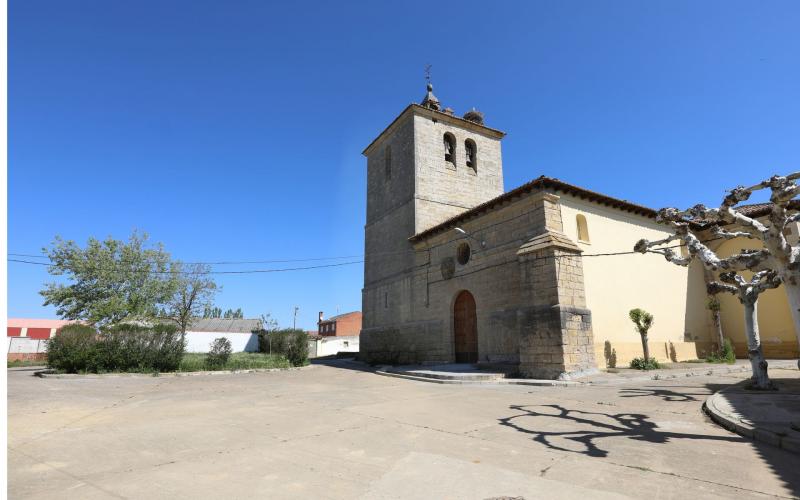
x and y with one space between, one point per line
583 228
387 160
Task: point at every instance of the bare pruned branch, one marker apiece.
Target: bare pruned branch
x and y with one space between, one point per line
718 232
716 287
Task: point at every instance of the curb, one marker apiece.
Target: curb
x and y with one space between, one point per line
52 374
691 373
502 381
746 429
482 379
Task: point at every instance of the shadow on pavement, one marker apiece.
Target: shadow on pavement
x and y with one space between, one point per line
344 363
592 428
783 463
666 394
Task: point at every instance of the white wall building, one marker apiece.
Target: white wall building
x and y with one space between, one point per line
239 331
319 346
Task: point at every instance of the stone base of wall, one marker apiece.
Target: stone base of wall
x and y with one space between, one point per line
408 344
619 354
27 356
783 350
556 343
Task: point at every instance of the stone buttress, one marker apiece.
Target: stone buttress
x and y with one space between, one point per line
556 338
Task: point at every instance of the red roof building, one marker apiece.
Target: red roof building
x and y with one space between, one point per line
341 325
40 329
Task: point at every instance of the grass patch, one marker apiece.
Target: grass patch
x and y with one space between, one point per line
198 362
26 362
195 362
725 355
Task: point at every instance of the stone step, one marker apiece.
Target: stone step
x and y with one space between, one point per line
460 372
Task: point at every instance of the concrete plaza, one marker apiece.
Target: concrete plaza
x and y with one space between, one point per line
332 431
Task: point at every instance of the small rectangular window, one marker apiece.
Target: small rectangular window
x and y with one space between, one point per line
387 158
386 300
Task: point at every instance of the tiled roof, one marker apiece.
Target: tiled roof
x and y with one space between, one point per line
762 209
550 183
37 323
225 325
338 316
535 185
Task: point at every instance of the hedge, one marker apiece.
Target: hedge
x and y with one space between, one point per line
290 342
120 348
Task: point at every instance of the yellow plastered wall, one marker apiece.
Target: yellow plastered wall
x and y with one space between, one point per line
616 284
774 317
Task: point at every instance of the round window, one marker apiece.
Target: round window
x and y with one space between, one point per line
463 253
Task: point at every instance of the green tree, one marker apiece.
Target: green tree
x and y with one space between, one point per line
109 281
643 321
194 292
231 314
267 327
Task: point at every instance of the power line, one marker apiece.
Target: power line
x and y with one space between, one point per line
248 271
255 271
225 262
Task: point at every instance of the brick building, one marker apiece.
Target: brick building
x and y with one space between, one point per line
341 325
40 329
26 338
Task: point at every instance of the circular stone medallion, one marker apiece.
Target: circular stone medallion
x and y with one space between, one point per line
448 268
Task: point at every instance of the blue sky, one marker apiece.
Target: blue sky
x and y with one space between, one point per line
233 130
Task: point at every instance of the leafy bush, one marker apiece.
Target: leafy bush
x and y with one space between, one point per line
124 347
138 348
219 353
72 348
641 364
724 355
291 343
263 340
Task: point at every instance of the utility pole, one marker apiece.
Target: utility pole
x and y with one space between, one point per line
294 322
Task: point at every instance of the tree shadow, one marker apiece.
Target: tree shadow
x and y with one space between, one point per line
783 463
593 428
673 355
610 354
665 394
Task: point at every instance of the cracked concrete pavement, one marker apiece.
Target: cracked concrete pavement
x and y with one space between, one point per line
336 432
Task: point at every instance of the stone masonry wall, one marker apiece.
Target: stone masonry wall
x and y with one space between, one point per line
556 341
421 190
444 189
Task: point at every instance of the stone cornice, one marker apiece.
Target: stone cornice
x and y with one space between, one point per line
548 239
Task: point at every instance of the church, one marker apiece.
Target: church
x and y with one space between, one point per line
540 277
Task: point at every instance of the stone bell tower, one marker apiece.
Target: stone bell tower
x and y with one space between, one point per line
427 166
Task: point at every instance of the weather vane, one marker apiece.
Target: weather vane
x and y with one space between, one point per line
428 73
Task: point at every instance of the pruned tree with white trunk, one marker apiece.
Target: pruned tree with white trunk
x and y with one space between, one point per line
747 291
727 222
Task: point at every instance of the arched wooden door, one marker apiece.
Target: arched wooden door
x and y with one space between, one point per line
465 328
